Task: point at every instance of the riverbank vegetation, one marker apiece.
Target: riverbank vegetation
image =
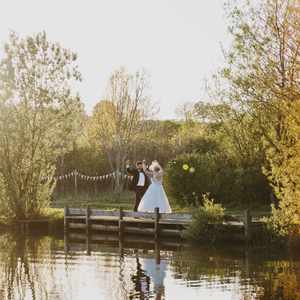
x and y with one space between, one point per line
38 121
207 222
241 144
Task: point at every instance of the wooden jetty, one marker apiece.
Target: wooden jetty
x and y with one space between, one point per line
153 225
126 222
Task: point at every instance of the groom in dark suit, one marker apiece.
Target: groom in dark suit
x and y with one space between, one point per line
139 183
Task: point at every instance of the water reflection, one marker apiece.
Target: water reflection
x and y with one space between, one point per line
41 267
141 282
157 273
148 279
25 268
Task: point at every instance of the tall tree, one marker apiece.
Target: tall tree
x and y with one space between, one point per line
38 119
263 79
118 121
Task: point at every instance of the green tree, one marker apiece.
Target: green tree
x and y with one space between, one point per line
39 117
262 77
227 155
158 143
118 121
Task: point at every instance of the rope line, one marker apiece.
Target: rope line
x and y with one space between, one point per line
83 176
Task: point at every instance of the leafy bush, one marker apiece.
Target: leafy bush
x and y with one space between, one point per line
189 176
206 221
282 226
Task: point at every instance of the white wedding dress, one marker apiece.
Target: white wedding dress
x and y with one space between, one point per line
157 272
155 195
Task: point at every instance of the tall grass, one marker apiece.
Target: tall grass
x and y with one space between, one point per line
103 200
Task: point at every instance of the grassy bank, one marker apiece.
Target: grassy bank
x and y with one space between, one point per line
103 200
113 201
53 215
125 200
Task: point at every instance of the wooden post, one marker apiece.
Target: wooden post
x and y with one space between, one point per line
87 229
247 225
121 223
66 213
50 227
19 226
121 249
95 187
66 242
26 227
156 222
87 220
88 245
157 253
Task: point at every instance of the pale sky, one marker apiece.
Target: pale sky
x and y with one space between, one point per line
176 41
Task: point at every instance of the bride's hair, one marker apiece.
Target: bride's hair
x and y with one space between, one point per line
156 169
155 166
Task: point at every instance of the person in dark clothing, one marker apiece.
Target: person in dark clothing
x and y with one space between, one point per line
139 183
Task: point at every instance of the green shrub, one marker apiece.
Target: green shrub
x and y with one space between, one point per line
189 176
281 226
206 221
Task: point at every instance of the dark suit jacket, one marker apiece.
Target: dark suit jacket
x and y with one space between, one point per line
135 173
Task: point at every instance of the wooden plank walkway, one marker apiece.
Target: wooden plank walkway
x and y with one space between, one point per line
153 225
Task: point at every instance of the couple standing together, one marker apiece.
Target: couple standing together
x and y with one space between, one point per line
147 185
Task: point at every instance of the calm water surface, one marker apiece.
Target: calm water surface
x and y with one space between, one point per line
47 268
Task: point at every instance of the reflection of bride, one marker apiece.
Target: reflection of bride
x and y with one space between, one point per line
155 196
157 272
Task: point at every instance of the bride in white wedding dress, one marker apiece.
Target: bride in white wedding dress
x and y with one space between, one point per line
155 195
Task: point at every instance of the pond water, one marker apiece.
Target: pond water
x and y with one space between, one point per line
49 267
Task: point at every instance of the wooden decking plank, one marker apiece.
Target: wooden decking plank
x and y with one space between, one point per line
130 220
76 211
76 225
109 228
75 217
129 214
104 213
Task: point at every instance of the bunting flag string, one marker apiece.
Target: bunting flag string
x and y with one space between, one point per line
85 177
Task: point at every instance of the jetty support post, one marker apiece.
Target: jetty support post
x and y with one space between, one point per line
87 219
66 241
87 229
50 227
121 233
66 213
247 225
157 252
156 223
121 223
